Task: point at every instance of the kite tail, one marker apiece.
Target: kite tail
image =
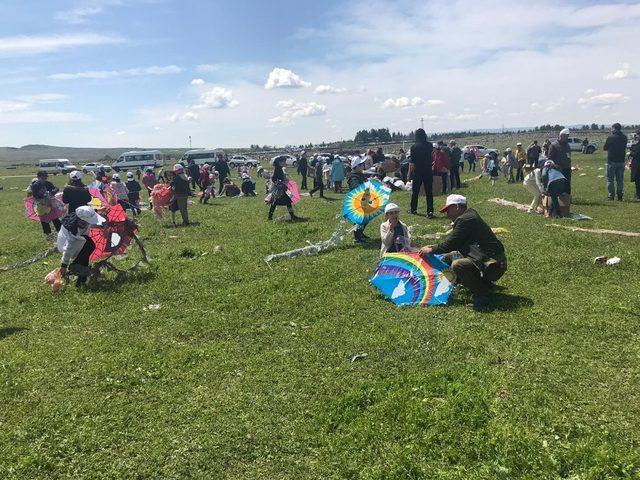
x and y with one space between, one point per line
336 238
31 260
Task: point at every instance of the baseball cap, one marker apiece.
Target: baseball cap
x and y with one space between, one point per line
129 174
356 161
391 207
454 199
565 131
116 176
89 215
178 167
75 175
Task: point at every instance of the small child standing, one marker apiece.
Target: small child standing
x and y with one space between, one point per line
357 178
120 190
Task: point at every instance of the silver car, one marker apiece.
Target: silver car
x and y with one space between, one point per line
291 160
239 160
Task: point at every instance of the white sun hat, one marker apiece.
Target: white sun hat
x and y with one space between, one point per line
391 207
89 215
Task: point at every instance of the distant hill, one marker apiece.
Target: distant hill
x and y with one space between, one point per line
30 154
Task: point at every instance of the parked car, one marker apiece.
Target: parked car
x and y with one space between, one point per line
94 167
291 160
238 160
575 144
139 159
55 166
201 157
480 149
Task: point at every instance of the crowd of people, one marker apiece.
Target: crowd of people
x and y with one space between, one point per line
472 249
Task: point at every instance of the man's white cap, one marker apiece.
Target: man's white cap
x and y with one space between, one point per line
565 131
178 167
454 199
518 144
391 207
89 215
116 176
129 174
75 175
356 161
508 149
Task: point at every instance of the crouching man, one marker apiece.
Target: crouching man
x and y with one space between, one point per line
472 249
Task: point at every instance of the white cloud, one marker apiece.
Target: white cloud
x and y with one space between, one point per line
131 72
294 109
187 117
43 98
283 78
604 99
217 98
197 81
323 89
121 132
466 116
208 68
30 45
11 107
191 116
81 13
405 102
623 73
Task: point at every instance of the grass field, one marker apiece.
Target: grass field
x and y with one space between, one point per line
245 370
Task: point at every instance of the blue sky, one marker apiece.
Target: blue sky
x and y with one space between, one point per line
153 72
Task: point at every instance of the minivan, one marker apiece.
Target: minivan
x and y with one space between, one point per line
139 159
56 165
200 156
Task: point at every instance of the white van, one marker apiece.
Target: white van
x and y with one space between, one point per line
139 159
200 156
55 166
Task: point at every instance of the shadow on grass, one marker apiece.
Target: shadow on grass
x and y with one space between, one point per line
503 302
180 225
7 331
116 283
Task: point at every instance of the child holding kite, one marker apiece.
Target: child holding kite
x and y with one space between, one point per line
394 234
278 193
357 178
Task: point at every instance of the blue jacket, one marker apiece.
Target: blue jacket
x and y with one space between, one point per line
336 174
550 175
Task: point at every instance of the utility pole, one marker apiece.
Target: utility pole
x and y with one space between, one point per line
422 122
189 142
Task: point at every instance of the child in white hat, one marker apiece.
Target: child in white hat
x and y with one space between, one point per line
394 234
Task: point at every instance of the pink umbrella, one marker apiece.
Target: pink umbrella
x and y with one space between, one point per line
293 191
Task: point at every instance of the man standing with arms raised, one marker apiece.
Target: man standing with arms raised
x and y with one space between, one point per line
560 153
421 172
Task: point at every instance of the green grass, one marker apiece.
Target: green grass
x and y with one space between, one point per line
246 372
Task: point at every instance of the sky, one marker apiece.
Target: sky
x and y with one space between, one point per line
151 73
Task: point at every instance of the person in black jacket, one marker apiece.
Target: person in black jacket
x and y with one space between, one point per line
318 182
40 190
222 167
472 249
421 171
303 168
75 193
279 189
194 173
560 154
634 163
455 157
133 186
616 148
